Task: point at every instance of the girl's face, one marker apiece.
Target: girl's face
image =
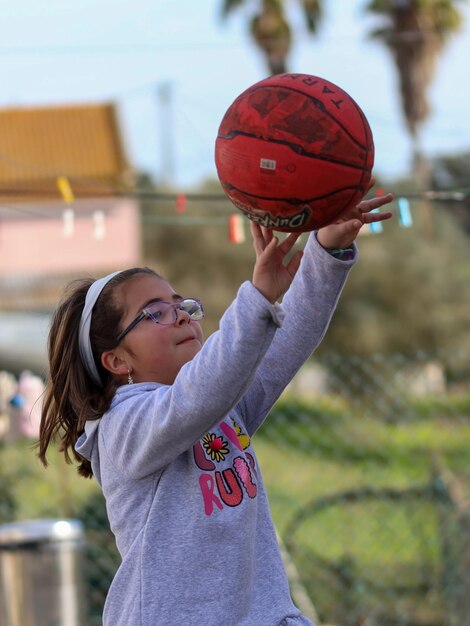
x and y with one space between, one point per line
155 352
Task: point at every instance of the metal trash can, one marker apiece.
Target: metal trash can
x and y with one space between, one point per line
41 573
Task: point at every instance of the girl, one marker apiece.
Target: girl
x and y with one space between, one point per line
164 423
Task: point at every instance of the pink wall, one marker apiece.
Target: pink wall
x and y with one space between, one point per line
33 240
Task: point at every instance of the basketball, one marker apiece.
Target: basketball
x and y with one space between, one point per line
293 152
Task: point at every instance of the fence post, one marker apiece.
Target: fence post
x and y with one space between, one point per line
454 522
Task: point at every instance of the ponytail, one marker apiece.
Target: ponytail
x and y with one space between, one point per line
72 397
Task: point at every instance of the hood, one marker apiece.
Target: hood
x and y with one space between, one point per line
87 446
87 443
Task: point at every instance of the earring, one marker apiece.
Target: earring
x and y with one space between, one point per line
130 380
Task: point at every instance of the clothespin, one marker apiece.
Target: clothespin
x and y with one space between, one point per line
65 189
68 215
181 203
68 222
404 214
236 230
99 225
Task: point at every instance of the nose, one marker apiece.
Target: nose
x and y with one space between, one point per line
182 317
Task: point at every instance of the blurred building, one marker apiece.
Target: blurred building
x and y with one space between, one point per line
63 208
66 211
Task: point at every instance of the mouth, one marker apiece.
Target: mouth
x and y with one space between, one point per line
187 340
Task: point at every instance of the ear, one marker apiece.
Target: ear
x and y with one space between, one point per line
112 362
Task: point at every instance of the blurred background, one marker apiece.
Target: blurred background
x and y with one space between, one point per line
108 118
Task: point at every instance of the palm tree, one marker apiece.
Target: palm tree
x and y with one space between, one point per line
271 31
415 32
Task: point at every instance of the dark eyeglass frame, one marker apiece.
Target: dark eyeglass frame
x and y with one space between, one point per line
175 306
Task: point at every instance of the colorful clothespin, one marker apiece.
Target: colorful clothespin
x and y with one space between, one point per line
99 225
68 215
68 222
65 189
181 203
404 214
236 230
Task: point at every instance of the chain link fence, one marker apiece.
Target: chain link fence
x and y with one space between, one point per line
367 465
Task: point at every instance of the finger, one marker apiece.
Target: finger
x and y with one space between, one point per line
257 236
369 218
270 248
349 226
286 246
363 207
294 263
374 203
267 234
353 226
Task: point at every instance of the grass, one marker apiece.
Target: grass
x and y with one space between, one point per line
373 544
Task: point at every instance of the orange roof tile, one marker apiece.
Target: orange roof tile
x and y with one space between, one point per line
38 145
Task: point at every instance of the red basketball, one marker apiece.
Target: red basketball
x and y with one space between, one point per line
294 151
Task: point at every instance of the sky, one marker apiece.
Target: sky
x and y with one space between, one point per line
174 67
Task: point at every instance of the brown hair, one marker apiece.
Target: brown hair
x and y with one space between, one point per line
71 397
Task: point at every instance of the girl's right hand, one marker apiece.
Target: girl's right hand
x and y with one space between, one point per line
272 275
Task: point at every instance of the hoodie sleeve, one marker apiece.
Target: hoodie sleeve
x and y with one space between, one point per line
308 306
149 425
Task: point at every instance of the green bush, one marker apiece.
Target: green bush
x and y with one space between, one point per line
7 496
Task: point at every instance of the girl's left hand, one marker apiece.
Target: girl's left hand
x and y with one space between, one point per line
274 268
344 230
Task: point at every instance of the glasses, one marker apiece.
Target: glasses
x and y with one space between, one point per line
166 313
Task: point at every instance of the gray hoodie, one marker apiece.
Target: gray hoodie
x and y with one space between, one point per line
184 492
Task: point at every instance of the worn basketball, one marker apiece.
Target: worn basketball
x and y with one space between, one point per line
293 152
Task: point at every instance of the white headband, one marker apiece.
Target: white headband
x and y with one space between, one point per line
84 343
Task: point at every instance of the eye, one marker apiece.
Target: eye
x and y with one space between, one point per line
156 310
154 315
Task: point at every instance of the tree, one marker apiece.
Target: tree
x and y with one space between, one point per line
407 295
415 32
452 173
271 31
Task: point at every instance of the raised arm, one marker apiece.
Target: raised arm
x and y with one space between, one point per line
308 305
